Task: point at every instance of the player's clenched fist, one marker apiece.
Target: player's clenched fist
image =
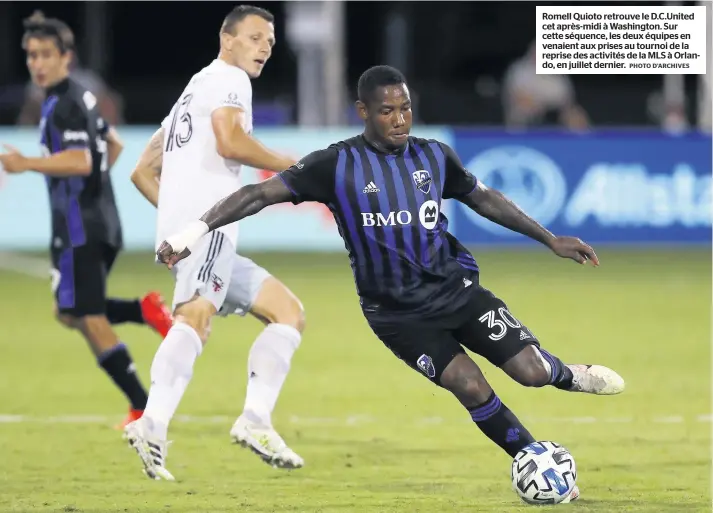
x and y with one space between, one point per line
177 247
168 256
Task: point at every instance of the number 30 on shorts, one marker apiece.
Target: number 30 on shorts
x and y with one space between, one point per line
500 325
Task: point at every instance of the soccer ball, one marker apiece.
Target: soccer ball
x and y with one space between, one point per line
543 473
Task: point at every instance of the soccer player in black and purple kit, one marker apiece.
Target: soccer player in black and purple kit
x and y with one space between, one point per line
79 150
419 288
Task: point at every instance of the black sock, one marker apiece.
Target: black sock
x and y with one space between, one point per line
561 374
121 310
118 364
501 425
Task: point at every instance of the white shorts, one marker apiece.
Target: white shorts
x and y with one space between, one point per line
214 271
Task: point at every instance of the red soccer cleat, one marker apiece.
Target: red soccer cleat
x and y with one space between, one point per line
131 417
156 313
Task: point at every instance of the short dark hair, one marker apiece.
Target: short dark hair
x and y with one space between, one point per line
375 77
241 12
40 27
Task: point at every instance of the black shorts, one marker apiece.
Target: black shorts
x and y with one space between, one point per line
484 325
79 278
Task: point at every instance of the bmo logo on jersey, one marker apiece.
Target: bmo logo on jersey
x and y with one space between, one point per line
427 216
401 217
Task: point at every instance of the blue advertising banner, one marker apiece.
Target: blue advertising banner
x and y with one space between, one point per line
624 187
25 214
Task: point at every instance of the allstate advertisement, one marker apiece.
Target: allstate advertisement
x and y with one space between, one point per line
25 214
624 187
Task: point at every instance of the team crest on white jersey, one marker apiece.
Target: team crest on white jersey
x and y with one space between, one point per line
423 180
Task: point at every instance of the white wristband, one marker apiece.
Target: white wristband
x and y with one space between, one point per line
188 237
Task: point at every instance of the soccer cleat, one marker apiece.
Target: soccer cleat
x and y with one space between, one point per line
151 451
573 495
156 314
266 443
131 417
596 379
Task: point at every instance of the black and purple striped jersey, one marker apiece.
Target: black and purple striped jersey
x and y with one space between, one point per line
83 207
387 207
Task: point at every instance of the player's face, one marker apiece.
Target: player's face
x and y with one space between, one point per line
47 65
388 116
251 46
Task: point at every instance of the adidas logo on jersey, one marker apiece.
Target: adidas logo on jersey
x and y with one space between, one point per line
523 335
371 187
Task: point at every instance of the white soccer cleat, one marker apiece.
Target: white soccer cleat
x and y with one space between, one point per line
596 379
266 443
151 451
573 495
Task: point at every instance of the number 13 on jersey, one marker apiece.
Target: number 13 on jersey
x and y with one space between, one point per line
181 129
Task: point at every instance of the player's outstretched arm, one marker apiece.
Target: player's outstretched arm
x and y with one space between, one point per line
147 173
311 179
72 157
247 201
70 162
233 143
493 205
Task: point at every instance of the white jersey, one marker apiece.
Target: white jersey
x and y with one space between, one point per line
194 177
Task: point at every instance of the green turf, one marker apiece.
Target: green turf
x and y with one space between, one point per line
645 313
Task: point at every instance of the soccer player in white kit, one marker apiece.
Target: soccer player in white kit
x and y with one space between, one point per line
196 156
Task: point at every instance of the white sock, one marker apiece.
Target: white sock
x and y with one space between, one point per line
171 371
268 365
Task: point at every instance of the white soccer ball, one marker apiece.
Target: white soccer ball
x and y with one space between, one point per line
543 473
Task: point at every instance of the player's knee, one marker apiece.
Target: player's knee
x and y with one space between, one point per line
277 304
534 376
292 314
528 369
66 320
93 326
197 314
463 378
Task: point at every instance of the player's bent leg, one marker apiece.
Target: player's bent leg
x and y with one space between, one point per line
434 351
270 356
150 310
79 284
534 366
530 369
171 371
202 280
269 363
172 366
113 356
464 379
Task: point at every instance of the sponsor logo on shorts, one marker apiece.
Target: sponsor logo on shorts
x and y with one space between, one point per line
425 363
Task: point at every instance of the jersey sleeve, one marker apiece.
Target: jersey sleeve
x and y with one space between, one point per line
71 124
459 181
312 178
233 90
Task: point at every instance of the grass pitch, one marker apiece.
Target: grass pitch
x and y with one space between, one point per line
376 436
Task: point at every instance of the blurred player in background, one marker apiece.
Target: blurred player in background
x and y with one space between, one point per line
196 156
79 150
419 287
109 101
